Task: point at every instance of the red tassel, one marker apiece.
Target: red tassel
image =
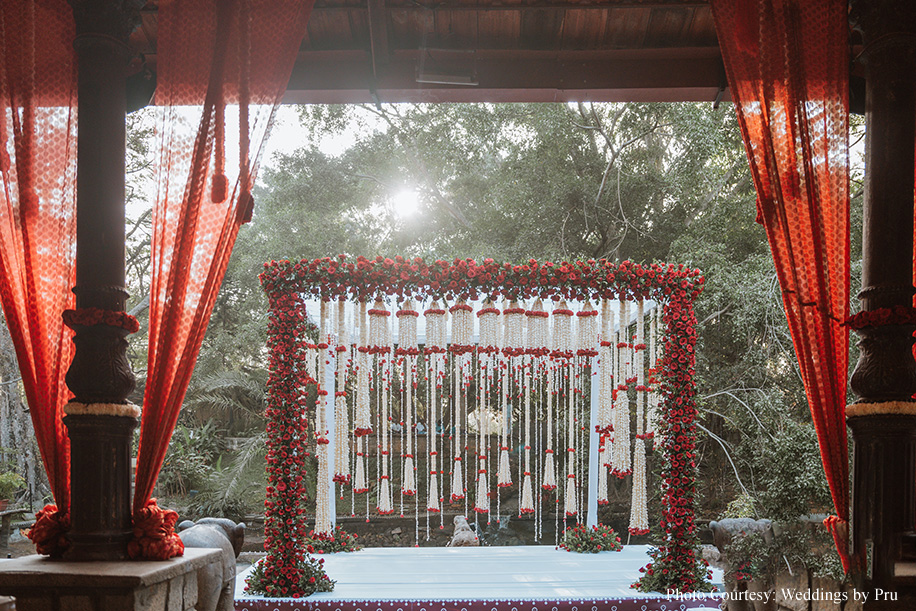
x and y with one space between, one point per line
219 189
246 208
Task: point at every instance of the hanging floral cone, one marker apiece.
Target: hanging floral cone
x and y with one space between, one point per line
432 504
384 497
639 515
526 504
482 500
550 472
602 481
571 508
359 481
503 476
322 512
409 487
457 482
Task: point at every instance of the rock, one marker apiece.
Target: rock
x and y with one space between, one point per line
464 535
397 531
761 603
826 594
788 586
713 556
724 530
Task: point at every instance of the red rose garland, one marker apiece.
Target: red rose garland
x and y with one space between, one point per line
366 279
49 534
89 317
675 564
897 315
154 534
284 520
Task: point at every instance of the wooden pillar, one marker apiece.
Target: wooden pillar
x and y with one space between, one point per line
884 427
100 509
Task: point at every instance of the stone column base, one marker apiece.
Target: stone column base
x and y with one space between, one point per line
41 584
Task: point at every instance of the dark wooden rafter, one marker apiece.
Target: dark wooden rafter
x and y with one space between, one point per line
378 34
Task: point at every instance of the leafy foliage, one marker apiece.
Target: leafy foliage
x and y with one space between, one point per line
190 458
798 544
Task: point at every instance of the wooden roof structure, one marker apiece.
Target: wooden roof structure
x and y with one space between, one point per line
358 51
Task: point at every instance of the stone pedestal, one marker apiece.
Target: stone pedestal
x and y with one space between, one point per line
40 584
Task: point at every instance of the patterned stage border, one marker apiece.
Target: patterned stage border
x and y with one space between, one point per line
710 603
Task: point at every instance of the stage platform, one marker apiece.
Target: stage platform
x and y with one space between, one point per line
528 578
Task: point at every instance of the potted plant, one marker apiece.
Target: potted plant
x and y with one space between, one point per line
10 483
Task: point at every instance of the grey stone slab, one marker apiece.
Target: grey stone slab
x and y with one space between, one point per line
176 594
20 574
190 590
152 598
76 603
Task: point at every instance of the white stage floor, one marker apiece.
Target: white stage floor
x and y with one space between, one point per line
521 573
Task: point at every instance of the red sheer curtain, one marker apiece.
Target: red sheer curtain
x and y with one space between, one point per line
215 53
788 70
38 212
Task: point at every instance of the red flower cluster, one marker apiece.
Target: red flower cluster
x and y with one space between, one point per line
49 534
89 317
585 540
466 279
675 564
284 514
154 534
337 541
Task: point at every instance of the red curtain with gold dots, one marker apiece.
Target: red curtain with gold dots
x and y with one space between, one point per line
788 71
232 61
38 213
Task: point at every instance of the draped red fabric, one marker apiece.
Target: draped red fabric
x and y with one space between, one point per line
212 53
788 70
38 212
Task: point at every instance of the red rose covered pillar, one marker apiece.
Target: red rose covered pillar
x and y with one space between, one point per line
883 421
99 420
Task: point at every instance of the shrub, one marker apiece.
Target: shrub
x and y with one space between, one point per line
585 540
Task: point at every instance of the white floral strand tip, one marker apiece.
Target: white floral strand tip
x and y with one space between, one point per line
905 408
75 408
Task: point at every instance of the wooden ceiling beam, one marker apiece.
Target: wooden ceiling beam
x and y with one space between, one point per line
667 75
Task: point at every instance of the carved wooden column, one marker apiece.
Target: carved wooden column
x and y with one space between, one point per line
883 422
100 376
